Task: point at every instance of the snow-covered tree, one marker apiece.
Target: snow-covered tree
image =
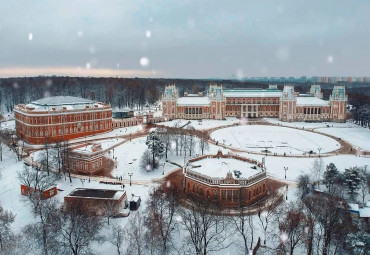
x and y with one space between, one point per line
331 176
317 169
352 179
156 147
6 219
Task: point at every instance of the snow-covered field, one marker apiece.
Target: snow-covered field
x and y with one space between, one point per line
200 125
279 140
309 125
8 125
358 136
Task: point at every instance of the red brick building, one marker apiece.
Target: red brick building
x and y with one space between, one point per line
232 180
86 158
98 201
61 118
46 194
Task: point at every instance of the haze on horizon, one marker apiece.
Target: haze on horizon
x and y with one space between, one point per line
184 39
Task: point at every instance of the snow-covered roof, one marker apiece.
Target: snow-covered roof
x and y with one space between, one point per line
252 93
193 101
219 167
61 100
58 102
353 207
364 212
311 101
97 193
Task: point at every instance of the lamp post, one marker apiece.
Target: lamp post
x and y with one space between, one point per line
113 153
285 168
32 162
286 194
319 151
164 163
130 174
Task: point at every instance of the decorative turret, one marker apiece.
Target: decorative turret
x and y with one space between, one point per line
288 102
218 101
316 91
169 101
338 102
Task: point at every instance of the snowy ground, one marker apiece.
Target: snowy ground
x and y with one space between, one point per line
276 139
308 125
200 125
358 136
7 125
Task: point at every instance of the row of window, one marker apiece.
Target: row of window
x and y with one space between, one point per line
40 132
63 118
96 164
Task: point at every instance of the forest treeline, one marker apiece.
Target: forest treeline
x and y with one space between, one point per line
131 92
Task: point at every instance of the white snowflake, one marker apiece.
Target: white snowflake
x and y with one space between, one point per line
144 61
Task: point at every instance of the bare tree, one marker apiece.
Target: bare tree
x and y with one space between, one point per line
364 183
160 220
79 230
206 228
45 231
136 235
317 169
203 142
292 223
244 226
117 236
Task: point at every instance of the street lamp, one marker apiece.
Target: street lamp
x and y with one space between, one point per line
319 151
286 194
285 168
113 153
130 174
164 163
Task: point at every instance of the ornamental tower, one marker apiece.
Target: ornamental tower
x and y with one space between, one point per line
338 102
169 101
218 102
316 91
288 102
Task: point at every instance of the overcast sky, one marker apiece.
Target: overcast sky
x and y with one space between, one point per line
185 39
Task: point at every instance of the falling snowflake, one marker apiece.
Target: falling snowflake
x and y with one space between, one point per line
283 237
244 121
47 94
30 36
148 34
168 184
92 50
49 82
88 65
148 167
330 59
239 74
15 85
80 33
173 145
144 61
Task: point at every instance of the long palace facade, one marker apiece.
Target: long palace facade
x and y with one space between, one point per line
287 105
61 118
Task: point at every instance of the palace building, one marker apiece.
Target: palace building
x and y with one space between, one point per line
287 105
231 180
61 118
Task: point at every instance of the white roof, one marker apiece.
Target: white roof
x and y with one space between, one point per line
193 101
219 167
58 102
252 93
311 101
353 207
364 212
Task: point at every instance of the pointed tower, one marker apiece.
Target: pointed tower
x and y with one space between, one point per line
288 102
338 102
218 102
316 91
169 102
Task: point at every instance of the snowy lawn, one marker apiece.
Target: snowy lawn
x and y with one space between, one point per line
7 125
358 136
279 140
309 125
200 125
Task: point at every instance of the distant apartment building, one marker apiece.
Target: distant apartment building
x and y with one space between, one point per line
287 105
61 118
